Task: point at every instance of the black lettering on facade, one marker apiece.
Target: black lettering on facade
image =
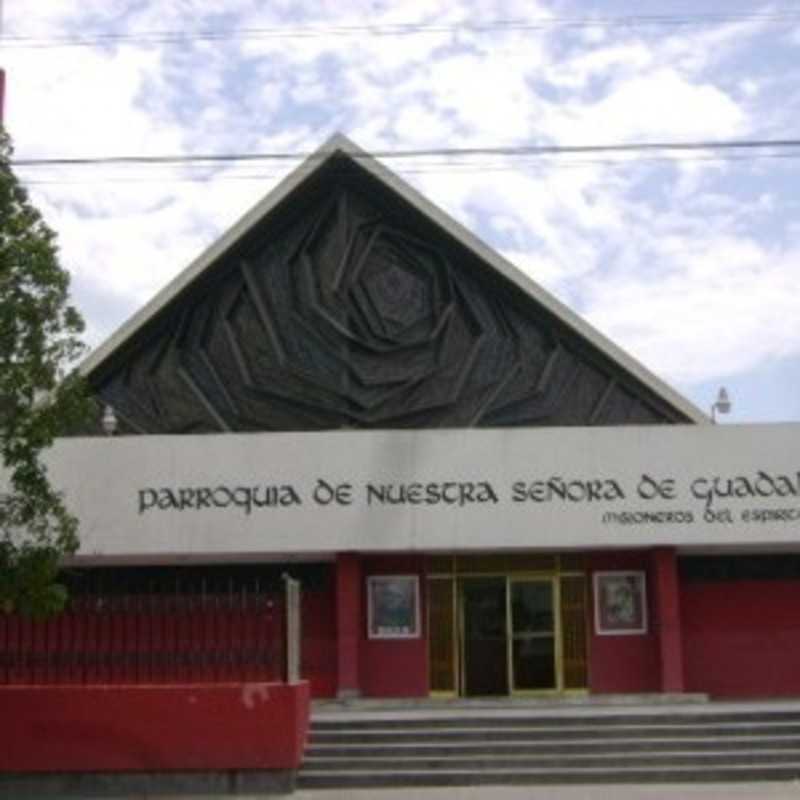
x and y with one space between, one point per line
289 497
203 498
186 498
486 493
449 493
433 494
648 518
574 491
650 488
147 499
221 497
167 499
266 499
195 498
744 487
375 493
415 494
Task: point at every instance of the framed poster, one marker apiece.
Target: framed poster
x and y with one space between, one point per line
393 607
620 603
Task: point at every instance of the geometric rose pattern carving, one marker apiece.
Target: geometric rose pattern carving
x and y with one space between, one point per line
347 317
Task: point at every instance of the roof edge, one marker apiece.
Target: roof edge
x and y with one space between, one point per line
340 143
336 143
572 320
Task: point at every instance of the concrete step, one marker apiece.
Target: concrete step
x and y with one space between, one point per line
330 723
561 761
418 734
588 747
402 749
581 703
371 779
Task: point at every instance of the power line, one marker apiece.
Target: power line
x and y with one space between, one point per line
396 29
426 169
753 145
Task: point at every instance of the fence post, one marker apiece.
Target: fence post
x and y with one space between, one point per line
292 628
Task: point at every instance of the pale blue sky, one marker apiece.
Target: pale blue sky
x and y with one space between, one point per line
693 266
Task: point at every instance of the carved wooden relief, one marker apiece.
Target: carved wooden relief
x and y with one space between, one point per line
349 318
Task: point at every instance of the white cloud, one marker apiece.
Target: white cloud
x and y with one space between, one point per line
722 305
602 62
661 105
693 259
86 102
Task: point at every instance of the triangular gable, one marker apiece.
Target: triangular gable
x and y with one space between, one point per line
345 298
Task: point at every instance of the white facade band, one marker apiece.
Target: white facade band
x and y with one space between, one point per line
491 489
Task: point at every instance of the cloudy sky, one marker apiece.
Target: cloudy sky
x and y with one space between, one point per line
690 261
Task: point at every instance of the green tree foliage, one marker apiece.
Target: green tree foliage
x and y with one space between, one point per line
39 400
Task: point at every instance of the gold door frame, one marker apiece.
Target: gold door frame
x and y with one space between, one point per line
460 642
453 634
555 599
563 569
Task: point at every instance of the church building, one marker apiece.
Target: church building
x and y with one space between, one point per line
479 494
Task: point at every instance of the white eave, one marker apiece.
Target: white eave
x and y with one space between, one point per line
340 143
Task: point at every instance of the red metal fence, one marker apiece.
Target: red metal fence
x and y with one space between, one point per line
173 625
159 634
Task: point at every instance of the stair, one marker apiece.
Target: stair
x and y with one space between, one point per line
435 748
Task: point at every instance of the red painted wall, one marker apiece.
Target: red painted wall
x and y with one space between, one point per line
318 646
349 603
742 638
394 667
665 595
151 728
620 664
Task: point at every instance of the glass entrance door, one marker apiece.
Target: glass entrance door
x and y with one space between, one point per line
503 634
533 635
485 637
